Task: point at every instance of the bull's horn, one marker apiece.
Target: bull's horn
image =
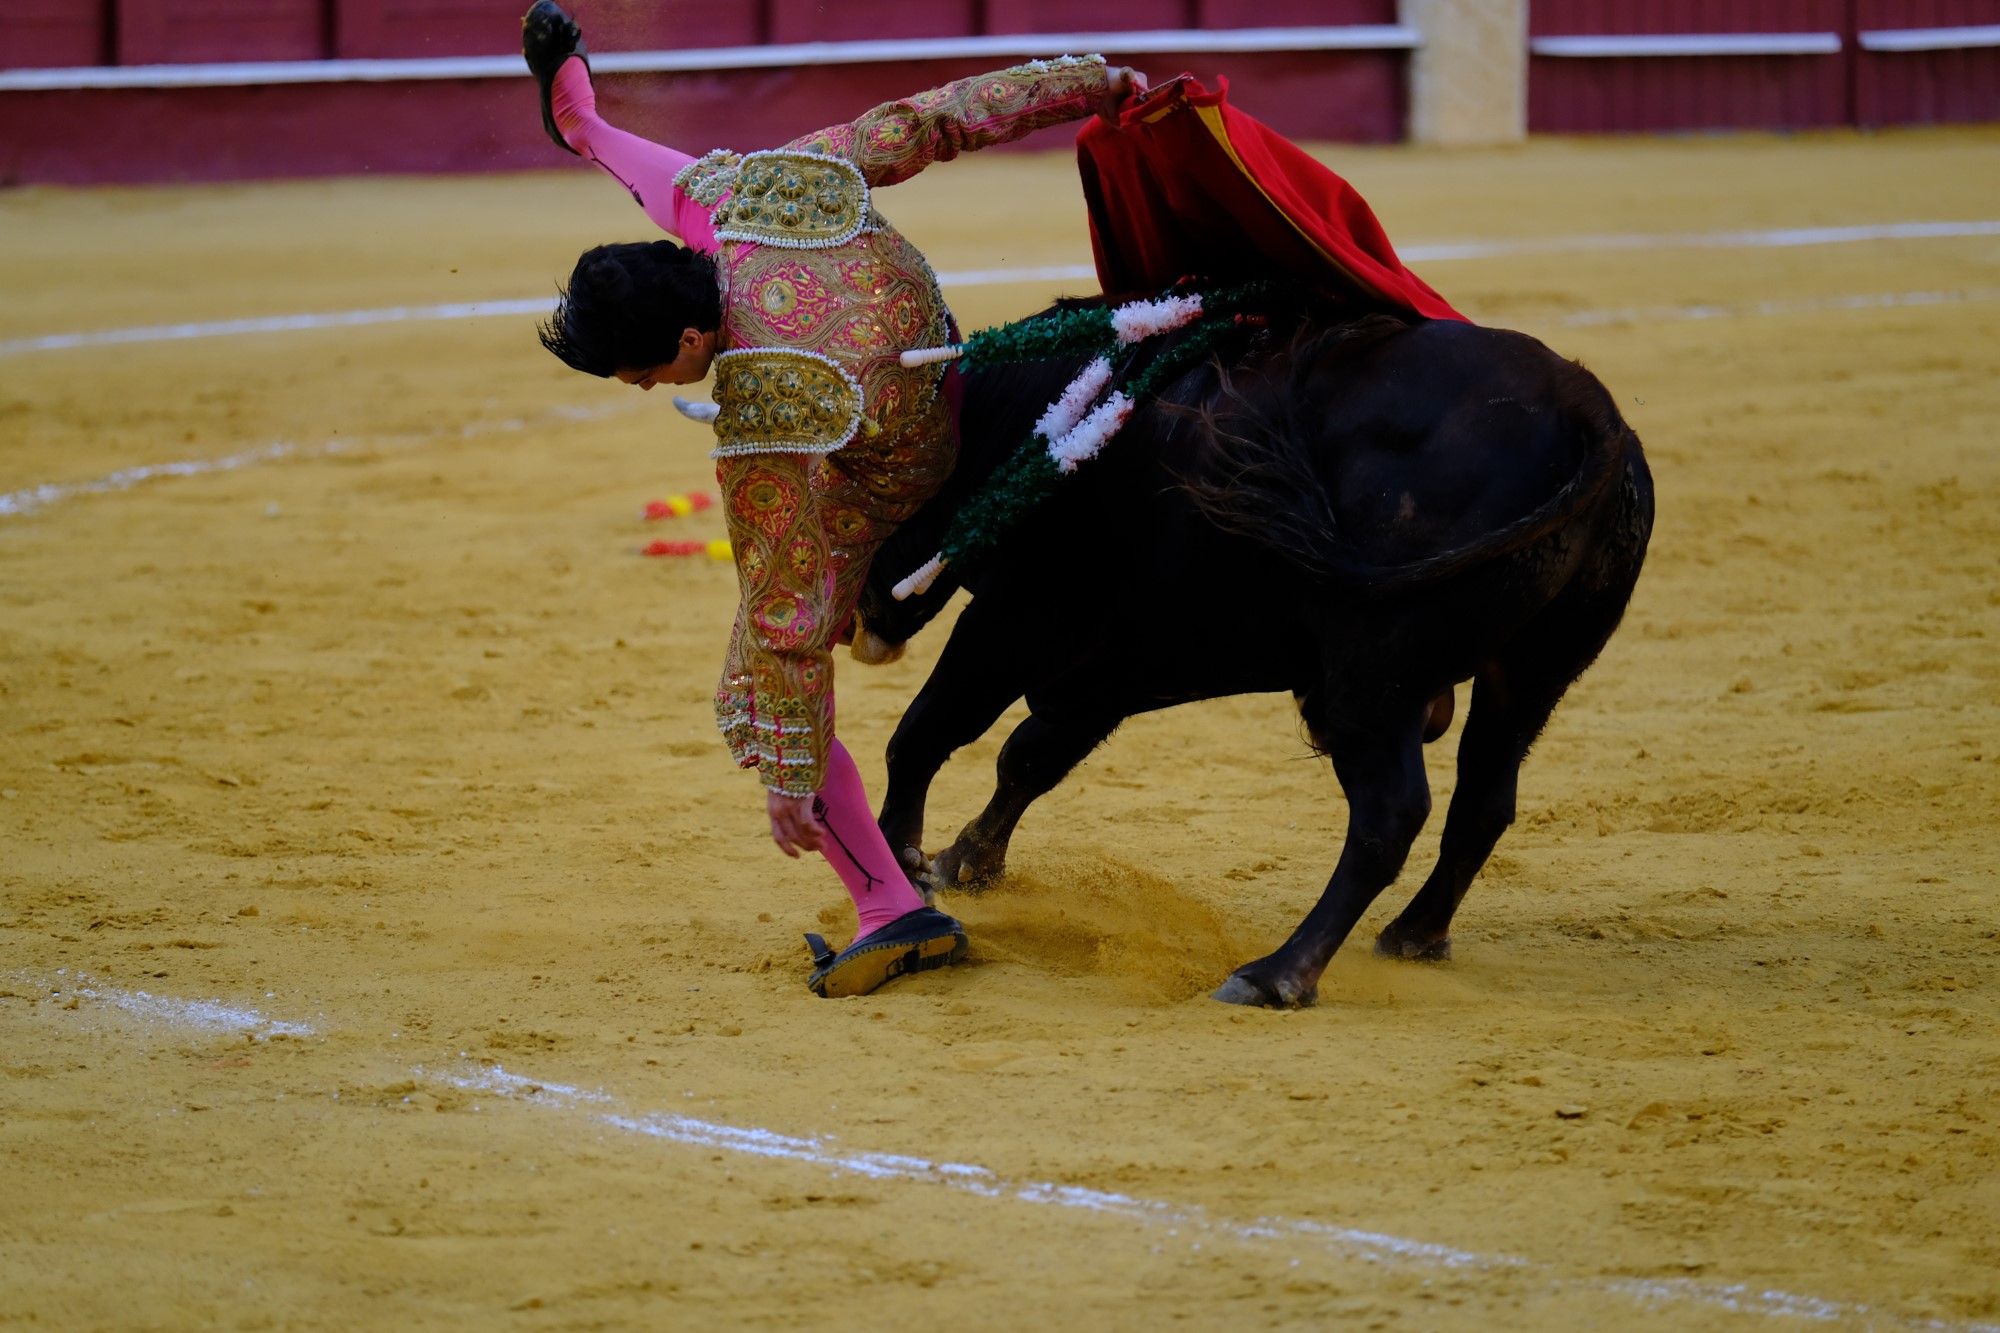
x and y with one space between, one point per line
705 413
930 356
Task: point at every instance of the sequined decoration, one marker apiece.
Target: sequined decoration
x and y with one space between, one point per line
796 200
777 400
709 177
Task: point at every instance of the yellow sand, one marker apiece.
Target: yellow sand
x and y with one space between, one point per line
397 737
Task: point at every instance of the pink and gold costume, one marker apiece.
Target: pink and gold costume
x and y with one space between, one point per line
825 443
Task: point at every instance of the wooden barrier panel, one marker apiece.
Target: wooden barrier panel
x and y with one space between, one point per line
54 34
857 20
389 29
1292 13
675 25
173 32
1627 17
1068 16
1643 65
1899 82
1796 79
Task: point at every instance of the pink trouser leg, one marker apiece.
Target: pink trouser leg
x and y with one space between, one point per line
644 168
856 849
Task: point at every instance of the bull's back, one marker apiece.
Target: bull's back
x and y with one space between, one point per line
1448 432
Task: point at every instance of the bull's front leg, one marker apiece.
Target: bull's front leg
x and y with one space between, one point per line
1381 770
977 676
1038 756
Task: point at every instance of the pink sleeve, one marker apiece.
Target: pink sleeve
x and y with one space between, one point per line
694 224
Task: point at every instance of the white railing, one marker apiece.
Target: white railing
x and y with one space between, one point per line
1930 39
1602 46
1609 46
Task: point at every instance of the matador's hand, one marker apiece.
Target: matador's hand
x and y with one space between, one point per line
1125 82
793 825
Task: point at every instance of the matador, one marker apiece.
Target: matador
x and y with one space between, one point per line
793 289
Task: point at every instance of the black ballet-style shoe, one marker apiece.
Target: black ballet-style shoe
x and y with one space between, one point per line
548 37
914 942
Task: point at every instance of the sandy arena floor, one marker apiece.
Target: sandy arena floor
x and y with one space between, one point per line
384 732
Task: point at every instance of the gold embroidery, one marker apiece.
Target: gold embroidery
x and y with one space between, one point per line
807 500
776 400
710 176
856 304
796 200
898 139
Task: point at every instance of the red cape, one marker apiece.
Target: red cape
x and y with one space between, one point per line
1186 184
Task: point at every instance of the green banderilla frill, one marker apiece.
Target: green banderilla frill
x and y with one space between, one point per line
1074 430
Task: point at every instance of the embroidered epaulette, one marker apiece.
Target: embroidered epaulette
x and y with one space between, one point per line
805 201
710 176
778 400
1055 64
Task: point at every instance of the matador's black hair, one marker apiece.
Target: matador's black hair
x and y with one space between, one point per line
626 305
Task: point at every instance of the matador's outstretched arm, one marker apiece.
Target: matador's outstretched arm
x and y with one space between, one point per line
898 139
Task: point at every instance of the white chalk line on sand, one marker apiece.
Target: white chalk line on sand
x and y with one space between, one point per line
1440 252
27 501
1370 1246
1777 238
166 1010
214 1016
451 310
14 504
1341 1242
1807 305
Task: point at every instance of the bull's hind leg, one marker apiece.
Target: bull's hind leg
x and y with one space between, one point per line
1511 703
1038 756
979 673
1497 733
1381 769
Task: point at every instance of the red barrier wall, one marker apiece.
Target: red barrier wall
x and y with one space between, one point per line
174 32
44 34
195 134
1291 13
1573 96
1926 87
1854 87
209 133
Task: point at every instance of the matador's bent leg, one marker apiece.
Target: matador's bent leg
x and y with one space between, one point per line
644 168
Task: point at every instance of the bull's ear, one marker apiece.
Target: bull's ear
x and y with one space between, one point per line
874 650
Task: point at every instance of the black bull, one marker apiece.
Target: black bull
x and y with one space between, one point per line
1364 514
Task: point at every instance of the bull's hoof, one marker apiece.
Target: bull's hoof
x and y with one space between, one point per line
961 867
917 868
1244 989
1391 945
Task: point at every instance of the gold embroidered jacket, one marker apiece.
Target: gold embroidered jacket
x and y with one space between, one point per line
825 442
